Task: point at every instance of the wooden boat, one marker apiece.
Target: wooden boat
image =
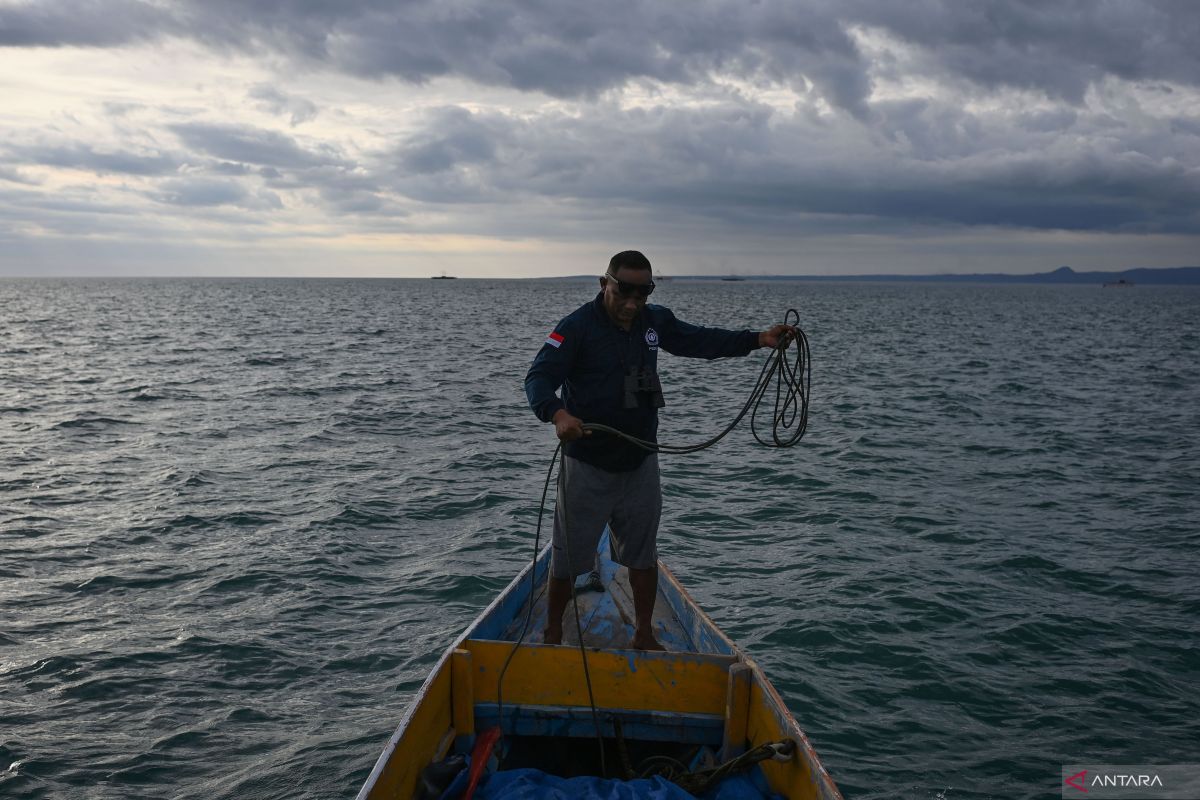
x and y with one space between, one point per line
703 691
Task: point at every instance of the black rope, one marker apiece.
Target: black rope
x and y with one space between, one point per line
699 781
532 585
789 421
792 380
529 616
587 675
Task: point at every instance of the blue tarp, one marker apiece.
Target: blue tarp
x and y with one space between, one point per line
532 784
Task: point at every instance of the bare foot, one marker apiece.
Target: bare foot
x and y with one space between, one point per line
552 637
646 642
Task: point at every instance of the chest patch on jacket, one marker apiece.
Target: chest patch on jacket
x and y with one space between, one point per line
651 338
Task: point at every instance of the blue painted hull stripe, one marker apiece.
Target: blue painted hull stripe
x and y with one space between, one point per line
577 722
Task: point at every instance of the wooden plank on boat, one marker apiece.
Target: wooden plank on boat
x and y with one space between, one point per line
737 711
606 625
462 693
693 683
607 617
595 610
601 626
667 628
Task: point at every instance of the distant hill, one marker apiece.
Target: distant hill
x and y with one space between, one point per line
1139 277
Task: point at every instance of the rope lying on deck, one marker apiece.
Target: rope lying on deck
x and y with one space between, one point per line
789 421
699 781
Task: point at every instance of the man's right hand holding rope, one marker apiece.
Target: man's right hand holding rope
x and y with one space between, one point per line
567 427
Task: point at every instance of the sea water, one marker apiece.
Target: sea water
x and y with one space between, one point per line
241 519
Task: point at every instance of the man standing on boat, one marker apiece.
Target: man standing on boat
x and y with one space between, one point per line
604 356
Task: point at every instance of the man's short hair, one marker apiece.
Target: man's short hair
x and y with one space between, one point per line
629 259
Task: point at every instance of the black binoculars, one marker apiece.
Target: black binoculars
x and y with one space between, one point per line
643 381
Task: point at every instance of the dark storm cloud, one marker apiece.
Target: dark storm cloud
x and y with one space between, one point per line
214 192
101 162
578 49
74 206
84 211
87 23
243 143
1059 48
744 165
201 192
452 137
246 148
345 192
229 168
269 98
1187 126
1122 162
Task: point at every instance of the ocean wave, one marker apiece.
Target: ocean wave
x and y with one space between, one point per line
435 507
91 421
269 361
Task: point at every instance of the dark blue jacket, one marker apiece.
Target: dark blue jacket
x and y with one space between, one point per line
587 355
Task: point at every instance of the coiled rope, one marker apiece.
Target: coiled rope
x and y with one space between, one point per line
789 421
791 400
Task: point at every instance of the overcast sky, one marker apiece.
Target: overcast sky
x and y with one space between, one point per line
501 138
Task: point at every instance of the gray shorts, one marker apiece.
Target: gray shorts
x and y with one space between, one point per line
588 497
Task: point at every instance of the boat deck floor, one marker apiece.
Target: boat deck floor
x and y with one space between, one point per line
606 616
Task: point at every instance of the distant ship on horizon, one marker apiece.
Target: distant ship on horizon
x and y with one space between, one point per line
444 277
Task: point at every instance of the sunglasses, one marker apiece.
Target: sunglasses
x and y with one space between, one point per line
626 289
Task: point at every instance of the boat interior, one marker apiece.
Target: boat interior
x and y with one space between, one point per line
701 702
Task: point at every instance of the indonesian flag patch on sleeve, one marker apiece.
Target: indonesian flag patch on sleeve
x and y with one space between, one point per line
555 339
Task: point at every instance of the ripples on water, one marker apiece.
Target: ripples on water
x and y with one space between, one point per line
240 520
